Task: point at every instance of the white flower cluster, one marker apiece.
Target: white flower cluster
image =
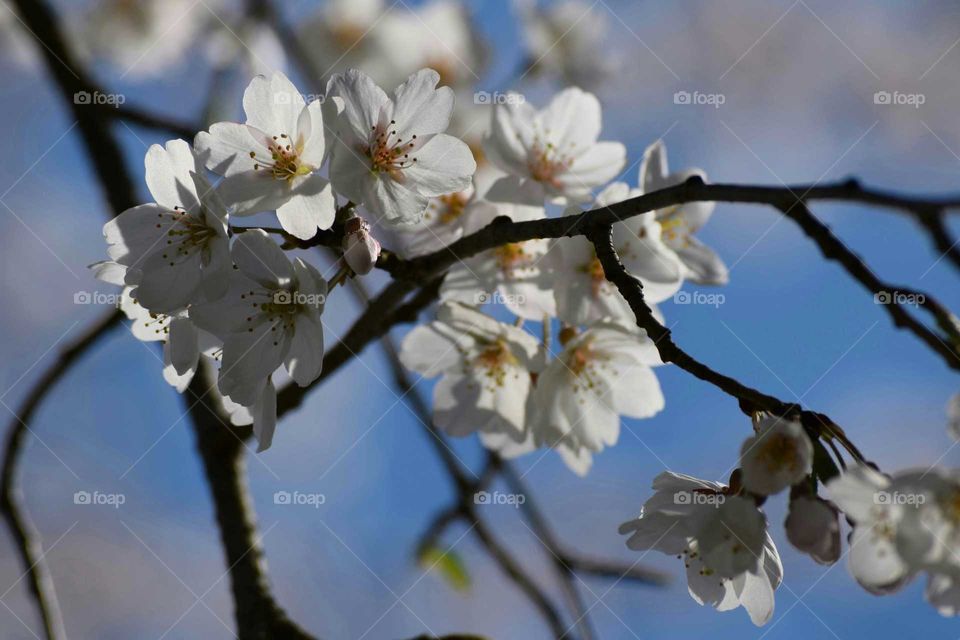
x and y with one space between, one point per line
497 379
206 288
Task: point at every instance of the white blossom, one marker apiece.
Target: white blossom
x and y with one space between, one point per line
391 154
601 374
271 162
486 369
175 250
565 39
583 293
269 317
730 559
515 274
552 154
680 222
865 498
778 456
360 248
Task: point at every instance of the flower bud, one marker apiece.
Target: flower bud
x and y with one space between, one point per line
814 528
360 249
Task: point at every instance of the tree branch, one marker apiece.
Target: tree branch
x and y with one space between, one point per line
750 399
25 535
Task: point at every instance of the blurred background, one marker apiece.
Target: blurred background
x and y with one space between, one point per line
798 83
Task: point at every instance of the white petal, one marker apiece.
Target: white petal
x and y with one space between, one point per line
225 150
419 107
432 349
443 165
573 119
261 259
362 101
183 345
312 206
168 175
273 104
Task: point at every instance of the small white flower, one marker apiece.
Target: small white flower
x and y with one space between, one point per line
730 559
391 154
360 248
182 340
865 497
552 154
681 221
269 317
486 369
448 218
601 374
583 293
778 456
175 250
271 162
515 274
813 527
565 39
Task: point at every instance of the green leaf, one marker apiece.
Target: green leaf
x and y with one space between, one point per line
447 563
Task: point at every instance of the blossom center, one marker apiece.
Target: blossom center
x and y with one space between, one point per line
284 162
388 152
511 257
494 360
548 161
450 207
187 234
779 451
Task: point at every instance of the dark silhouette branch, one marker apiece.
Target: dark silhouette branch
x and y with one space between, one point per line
26 538
223 465
751 400
502 231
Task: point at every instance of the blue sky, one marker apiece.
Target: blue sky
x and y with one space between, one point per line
798 80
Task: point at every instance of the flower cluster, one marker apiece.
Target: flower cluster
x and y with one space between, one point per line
520 393
206 288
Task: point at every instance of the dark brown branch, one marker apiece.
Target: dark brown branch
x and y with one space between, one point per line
25 535
234 514
133 114
751 400
222 447
502 231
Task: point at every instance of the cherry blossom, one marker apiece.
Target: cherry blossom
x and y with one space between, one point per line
779 455
360 248
565 39
271 162
600 374
681 221
486 369
583 293
514 274
391 154
269 317
175 250
552 154
730 559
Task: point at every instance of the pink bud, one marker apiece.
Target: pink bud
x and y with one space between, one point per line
360 249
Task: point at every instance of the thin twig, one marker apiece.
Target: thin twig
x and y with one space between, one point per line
25 535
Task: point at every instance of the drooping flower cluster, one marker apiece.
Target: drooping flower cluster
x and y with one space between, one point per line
204 287
572 396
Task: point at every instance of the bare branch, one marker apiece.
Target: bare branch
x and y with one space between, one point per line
25 535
